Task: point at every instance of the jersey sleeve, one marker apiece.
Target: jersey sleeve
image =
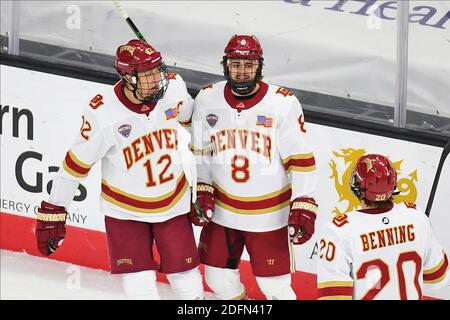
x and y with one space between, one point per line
90 145
334 279
185 108
201 146
435 265
297 155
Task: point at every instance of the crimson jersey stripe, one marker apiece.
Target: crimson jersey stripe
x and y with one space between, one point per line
74 166
438 273
254 205
304 163
122 198
335 291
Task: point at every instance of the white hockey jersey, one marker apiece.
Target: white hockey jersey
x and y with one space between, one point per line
380 256
142 175
255 154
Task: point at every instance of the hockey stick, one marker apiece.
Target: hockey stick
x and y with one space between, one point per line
444 155
193 181
130 22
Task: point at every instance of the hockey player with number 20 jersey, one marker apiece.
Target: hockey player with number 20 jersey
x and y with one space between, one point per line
256 176
133 130
382 251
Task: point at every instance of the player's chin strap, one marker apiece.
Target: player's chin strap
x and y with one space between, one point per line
242 88
246 87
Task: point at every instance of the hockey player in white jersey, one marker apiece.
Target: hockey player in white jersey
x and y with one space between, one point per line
132 130
382 251
256 176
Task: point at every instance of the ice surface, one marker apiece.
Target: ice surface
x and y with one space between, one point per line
27 277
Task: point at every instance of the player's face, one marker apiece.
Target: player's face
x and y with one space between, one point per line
242 70
149 82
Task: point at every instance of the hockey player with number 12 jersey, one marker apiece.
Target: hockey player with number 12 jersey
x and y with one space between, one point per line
133 130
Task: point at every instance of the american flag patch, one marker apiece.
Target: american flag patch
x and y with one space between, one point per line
171 113
264 121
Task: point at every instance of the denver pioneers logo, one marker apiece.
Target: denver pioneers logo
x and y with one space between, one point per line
346 159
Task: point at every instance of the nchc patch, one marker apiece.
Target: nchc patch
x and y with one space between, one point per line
125 130
212 119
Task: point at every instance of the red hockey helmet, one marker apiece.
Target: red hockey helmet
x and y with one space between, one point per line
244 47
373 178
136 56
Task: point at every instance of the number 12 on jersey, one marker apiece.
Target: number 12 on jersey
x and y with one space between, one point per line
164 177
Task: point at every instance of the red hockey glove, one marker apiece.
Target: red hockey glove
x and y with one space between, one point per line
202 210
301 220
50 227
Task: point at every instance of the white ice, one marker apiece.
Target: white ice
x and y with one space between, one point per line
25 277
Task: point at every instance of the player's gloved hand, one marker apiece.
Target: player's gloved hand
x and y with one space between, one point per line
50 227
301 219
202 210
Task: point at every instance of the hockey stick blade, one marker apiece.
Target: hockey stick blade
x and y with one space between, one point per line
130 22
444 155
121 10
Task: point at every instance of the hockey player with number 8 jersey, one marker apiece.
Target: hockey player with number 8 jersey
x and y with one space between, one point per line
257 159
256 172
